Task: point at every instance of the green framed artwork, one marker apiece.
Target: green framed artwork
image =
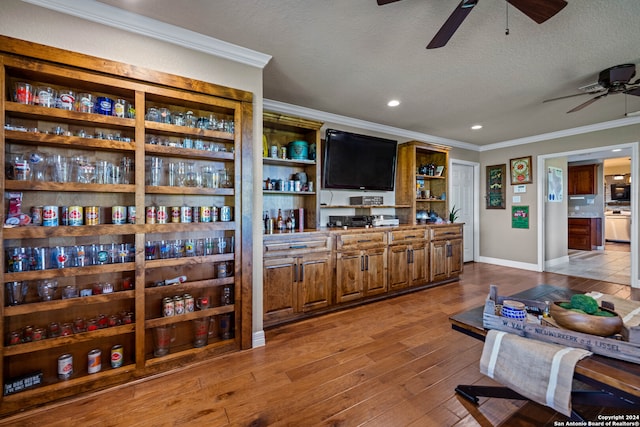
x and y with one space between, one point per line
495 186
519 216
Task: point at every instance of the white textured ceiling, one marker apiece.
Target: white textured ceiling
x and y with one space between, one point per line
349 57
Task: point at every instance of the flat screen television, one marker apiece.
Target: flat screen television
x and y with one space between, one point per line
621 192
358 162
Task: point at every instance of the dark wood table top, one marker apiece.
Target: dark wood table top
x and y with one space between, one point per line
614 374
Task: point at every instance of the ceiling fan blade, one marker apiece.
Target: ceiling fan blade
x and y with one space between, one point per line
452 23
539 10
570 96
383 2
633 91
586 104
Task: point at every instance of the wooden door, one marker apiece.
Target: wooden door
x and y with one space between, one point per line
419 266
456 257
375 271
314 281
280 292
399 256
438 265
349 275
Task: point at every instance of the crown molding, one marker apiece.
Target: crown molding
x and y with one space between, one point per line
101 13
309 113
627 121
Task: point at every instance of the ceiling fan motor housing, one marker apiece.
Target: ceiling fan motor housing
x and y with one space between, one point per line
617 76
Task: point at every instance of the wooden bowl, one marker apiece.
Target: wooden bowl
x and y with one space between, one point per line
586 323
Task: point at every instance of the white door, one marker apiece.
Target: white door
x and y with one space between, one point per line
463 182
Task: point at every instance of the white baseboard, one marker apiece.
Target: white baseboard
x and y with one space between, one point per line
556 261
258 339
509 263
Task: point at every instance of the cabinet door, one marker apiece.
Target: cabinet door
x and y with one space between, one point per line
582 179
376 271
456 251
280 292
399 256
349 275
314 281
419 266
438 265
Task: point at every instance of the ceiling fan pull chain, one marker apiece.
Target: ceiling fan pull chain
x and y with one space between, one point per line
506 30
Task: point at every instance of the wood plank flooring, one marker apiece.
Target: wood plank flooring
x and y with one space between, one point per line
389 363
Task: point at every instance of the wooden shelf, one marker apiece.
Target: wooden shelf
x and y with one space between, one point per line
64 304
213 311
363 206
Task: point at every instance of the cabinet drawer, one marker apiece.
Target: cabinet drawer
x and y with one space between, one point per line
361 240
407 236
446 232
313 244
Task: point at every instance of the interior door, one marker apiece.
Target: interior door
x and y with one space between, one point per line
462 181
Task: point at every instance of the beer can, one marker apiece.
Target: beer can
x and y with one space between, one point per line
205 213
131 214
151 214
65 366
119 215
175 213
162 214
50 216
178 305
221 270
94 363
36 215
225 213
189 303
91 215
75 216
215 214
186 214
117 356
168 307
64 215
195 214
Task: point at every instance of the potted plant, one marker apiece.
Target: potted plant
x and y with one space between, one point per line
453 215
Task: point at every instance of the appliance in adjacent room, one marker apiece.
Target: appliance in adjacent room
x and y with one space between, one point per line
617 226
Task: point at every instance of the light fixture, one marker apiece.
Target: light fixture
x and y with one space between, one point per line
393 103
615 150
476 127
618 177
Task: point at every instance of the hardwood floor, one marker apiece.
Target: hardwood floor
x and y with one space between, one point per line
389 363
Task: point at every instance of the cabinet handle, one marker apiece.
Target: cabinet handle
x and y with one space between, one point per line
364 241
301 278
411 256
362 263
410 237
449 250
367 264
295 272
298 247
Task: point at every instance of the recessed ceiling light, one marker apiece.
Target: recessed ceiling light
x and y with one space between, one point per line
615 150
476 127
393 103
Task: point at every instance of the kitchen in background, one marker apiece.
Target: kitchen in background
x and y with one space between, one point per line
617 189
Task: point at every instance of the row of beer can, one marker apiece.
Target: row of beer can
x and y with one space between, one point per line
53 216
94 361
187 214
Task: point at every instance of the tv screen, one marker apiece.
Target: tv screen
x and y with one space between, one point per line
358 162
621 192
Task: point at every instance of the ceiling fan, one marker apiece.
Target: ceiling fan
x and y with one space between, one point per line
610 81
538 10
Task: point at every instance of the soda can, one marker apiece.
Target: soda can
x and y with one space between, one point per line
119 215
178 305
94 362
175 214
36 215
189 303
151 214
117 356
131 214
215 214
225 213
64 215
205 213
168 307
75 216
162 215
50 216
195 214
65 366
186 214
92 215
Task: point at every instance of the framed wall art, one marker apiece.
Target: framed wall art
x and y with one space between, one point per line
495 187
521 172
519 216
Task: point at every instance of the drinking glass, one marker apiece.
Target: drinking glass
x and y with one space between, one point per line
60 168
16 292
155 171
163 336
47 289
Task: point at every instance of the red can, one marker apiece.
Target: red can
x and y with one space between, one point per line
175 213
151 214
74 216
205 213
162 215
186 214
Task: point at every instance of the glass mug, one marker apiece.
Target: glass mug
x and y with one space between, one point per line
203 328
163 336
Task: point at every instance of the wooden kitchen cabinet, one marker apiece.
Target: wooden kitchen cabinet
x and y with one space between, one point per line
408 258
297 276
361 265
582 179
585 233
446 252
